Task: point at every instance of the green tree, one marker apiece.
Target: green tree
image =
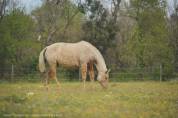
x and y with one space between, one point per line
173 29
58 22
101 27
17 40
149 43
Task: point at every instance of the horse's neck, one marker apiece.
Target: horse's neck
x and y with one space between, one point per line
100 65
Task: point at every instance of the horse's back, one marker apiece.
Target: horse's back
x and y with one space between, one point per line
71 54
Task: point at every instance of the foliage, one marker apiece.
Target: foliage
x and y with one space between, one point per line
57 23
138 34
100 27
173 30
149 44
16 34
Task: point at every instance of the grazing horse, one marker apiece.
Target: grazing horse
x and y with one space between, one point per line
74 55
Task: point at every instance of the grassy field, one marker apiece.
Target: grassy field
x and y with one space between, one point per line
121 100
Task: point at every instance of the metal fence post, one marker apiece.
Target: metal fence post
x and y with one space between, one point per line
79 74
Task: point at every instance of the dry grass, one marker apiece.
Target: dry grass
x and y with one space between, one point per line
121 100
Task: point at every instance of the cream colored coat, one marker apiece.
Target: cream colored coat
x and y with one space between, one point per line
73 55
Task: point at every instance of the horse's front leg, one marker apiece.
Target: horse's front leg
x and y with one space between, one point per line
91 74
84 73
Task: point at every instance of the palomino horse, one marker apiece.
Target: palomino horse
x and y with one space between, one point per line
74 55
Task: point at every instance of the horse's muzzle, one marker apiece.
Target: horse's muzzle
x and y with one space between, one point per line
104 84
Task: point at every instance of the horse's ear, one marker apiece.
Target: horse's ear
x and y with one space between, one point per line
108 71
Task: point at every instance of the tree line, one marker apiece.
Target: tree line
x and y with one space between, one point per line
135 34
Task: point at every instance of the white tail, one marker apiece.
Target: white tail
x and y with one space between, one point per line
42 67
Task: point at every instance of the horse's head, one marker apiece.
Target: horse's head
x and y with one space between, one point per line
104 78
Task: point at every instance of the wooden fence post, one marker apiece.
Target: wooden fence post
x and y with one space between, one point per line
160 76
12 72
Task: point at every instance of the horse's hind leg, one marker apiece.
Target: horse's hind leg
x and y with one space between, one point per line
59 86
84 73
53 75
45 80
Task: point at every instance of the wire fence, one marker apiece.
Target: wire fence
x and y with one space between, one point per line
124 74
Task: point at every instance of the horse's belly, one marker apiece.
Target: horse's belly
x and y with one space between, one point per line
68 63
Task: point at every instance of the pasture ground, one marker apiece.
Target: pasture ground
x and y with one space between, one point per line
120 100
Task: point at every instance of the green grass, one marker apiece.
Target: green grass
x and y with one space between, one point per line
121 100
